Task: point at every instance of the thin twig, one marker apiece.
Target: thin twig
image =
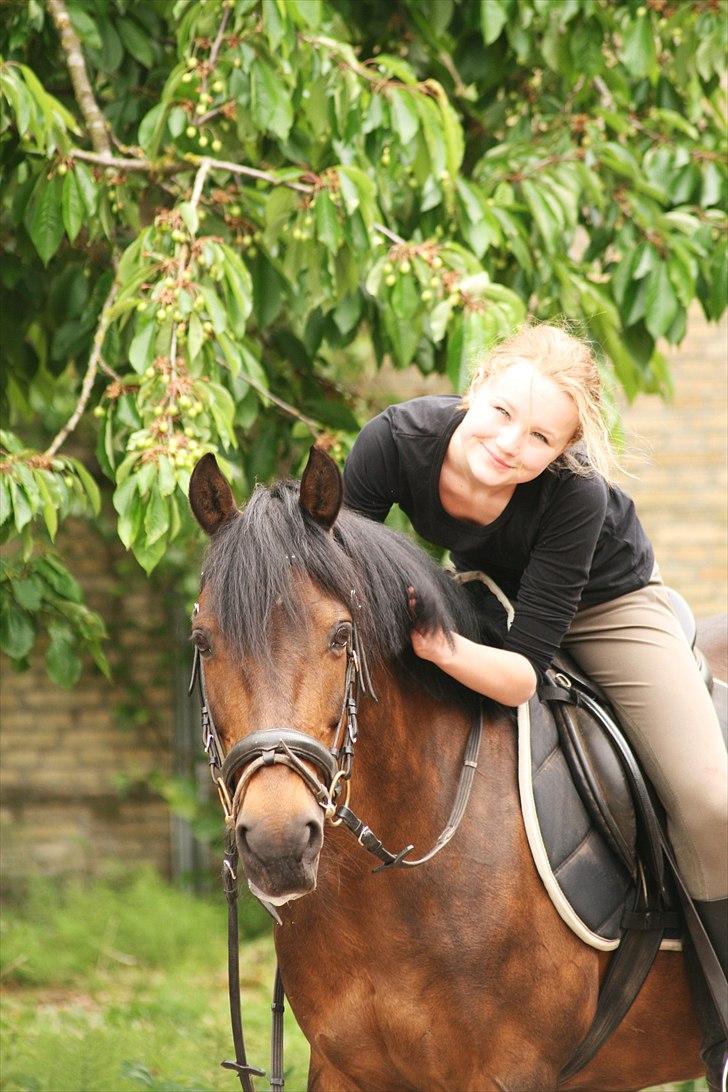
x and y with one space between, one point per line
108 370
310 424
95 121
88 379
107 159
199 182
218 39
172 166
204 118
392 235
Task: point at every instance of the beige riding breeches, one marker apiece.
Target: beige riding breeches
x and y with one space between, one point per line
634 648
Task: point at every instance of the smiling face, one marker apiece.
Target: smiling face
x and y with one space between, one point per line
517 423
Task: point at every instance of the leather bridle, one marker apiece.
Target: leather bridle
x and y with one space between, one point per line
292 748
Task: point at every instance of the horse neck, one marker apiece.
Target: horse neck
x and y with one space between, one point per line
408 758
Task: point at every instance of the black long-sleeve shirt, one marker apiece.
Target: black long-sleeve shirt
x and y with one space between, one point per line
562 541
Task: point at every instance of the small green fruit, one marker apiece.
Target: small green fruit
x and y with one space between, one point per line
216 145
390 280
98 411
149 373
190 131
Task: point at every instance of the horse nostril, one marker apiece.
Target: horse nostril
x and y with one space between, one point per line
315 836
241 835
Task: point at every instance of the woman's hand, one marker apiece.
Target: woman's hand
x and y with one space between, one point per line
496 673
433 645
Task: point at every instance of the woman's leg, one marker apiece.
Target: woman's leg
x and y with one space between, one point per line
634 649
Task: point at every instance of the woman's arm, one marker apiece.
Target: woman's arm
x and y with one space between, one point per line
506 677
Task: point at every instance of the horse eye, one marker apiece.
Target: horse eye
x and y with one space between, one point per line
202 642
341 636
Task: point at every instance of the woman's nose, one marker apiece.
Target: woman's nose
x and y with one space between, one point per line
509 439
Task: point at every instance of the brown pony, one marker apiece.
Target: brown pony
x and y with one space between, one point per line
455 975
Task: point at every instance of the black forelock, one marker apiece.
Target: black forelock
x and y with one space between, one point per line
255 560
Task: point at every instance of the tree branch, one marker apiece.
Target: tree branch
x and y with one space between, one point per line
172 166
313 426
95 121
88 380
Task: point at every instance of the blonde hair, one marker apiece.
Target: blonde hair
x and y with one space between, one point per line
571 364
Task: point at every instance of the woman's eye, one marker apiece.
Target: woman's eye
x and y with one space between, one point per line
540 436
503 410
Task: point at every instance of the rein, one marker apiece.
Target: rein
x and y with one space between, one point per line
288 747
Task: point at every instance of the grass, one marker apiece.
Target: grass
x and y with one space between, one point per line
121 985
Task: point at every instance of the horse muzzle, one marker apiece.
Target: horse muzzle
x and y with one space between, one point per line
279 827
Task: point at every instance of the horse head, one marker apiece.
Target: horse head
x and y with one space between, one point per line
297 594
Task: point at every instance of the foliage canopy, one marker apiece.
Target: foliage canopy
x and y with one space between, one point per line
210 208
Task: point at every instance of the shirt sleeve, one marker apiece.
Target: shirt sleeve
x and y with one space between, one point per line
371 472
558 568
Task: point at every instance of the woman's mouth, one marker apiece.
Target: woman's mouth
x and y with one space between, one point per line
498 462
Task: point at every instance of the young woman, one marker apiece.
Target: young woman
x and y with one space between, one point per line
516 481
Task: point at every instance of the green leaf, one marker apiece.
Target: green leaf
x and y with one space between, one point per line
22 511
85 27
661 304
215 309
92 489
28 592
156 517
86 186
176 121
16 632
270 101
62 659
141 350
405 119
328 228
73 206
46 228
149 555
57 576
50 514
136 42
493 17
167 480
638 50
150 128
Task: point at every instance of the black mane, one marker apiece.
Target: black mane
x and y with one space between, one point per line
254 559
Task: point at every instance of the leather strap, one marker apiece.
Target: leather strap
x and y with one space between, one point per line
627 971
230 883
276 1041
366 837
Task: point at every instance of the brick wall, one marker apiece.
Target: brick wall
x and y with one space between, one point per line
64 754
681 483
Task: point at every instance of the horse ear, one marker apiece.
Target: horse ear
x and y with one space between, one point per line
211 498
322 489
